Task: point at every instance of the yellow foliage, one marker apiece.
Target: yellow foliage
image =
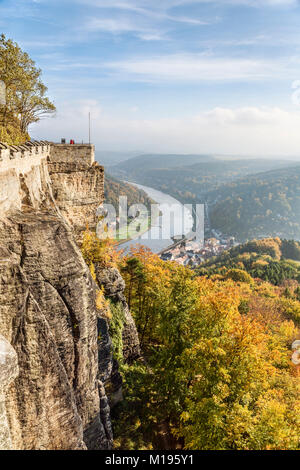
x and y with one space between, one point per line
98 251
220 349
102 304
259 263
12 135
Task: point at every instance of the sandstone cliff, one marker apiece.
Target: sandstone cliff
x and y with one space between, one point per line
47 305
114 286
77 184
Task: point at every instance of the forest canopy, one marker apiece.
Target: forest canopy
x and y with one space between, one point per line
270 259
114 188
218 373
262 205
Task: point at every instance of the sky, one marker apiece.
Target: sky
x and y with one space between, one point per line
166 76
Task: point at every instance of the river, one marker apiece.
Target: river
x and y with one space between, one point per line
181 222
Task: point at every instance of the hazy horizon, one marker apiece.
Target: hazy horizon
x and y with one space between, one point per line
132 154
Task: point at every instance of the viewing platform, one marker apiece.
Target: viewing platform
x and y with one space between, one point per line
31 153
68 153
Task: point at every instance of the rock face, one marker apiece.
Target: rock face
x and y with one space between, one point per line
78 191
114 286
77 184
47 312
47 304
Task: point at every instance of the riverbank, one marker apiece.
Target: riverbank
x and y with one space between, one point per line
181 223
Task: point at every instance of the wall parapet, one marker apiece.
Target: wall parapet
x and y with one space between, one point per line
11 155
73 153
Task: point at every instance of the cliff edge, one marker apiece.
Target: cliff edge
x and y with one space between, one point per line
48 314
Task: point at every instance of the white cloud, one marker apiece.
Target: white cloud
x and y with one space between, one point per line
150 20
186 67
123 25
147 24
196 67
111 25
146 19
241 131
157 11
152 36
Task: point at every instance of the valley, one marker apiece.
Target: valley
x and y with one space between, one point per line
243 198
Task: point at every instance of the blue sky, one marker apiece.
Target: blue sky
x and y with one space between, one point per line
167 75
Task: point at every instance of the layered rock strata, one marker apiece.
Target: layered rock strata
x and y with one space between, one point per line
48 311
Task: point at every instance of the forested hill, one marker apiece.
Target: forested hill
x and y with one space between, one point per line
141 164
109 158
269 259
189 177
113 188
262 205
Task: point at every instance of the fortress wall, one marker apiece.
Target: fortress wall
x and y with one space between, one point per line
31 174
76 153
22 157
23 176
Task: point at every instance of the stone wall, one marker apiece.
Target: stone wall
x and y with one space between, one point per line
41 174
22 157
48 314
73 153
24 176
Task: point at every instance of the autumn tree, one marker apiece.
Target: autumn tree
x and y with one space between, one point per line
26 100
241 393
218 372
148 291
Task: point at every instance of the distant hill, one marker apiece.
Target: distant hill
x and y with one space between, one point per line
261 205
248 199
189 177
113 188
137 166
270 259
108 158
